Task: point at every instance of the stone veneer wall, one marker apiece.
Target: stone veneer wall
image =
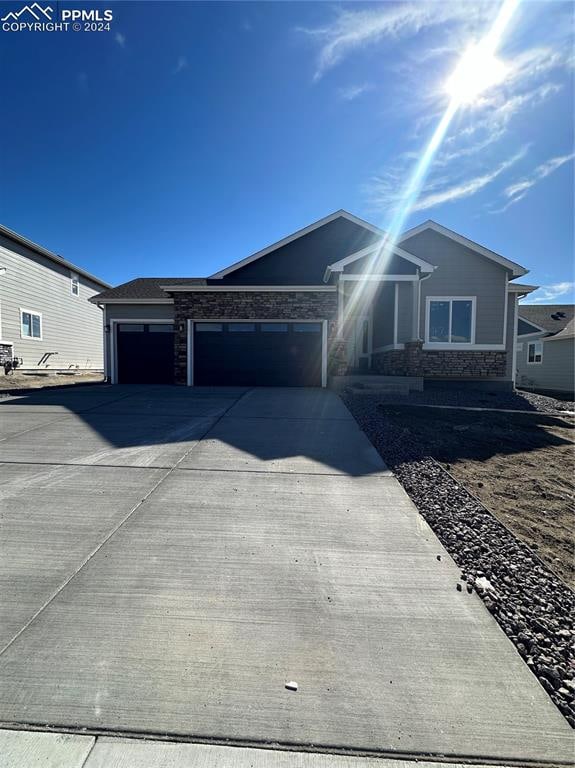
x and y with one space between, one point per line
454 364
251 305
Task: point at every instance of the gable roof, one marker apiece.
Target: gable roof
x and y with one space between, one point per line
516 269
552 318
340 265
15 237
525 328
341 214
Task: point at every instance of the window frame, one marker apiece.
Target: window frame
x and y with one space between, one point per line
450 299
535 353
31 312
74 281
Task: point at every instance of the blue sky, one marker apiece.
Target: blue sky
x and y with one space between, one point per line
193 134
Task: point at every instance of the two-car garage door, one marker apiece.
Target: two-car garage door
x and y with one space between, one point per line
230 353
257 354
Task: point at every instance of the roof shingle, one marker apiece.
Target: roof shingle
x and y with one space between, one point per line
552 317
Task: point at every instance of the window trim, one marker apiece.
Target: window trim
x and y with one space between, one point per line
38 314
74 279
534 344
450 344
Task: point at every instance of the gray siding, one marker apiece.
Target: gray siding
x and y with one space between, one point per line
383 313
556 372
71 326
405 313
134 312
462 272
303 261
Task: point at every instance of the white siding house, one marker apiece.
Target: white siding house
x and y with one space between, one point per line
46 318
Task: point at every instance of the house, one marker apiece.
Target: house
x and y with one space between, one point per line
46 318
545 354
324 300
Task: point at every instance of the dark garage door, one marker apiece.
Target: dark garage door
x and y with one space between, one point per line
258 354
145 353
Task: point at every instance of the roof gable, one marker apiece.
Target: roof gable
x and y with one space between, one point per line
516 269
302 258
370 233
372 250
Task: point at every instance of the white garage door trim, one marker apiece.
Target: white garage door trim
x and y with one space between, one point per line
190 345
112 340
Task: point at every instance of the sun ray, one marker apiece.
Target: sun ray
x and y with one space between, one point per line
473 66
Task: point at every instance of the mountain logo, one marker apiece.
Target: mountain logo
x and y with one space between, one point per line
35 10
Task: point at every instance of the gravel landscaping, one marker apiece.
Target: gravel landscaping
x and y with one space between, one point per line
531 603
516 401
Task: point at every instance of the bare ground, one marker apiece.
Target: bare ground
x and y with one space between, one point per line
23 381
520 466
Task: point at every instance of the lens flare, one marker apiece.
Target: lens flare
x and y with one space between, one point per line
478 70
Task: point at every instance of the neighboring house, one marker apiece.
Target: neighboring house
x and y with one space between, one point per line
46 317
546 347
323 301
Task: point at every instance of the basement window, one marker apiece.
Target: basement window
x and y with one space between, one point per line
535 352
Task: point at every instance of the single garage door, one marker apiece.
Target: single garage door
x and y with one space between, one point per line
145 353
272 354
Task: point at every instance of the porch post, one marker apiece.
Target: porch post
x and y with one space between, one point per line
415 314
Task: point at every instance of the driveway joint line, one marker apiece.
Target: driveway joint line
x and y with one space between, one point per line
104 541
446 758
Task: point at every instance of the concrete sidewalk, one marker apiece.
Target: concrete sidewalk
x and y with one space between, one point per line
172 558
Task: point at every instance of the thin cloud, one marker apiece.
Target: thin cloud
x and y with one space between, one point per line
352 92
350 31
541 172
120 39
519 189
465 188
181 65
548 293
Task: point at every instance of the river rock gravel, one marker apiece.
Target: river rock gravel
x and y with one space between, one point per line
531 604
470 398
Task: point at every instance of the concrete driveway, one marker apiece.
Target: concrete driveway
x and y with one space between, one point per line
170 558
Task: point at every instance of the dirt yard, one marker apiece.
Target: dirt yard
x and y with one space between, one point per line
18 380
521 466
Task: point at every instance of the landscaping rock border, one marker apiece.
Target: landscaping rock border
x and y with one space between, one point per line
530 603
473 398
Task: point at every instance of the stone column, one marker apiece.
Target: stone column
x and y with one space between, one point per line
413 358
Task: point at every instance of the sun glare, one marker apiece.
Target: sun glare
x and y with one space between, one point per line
478 70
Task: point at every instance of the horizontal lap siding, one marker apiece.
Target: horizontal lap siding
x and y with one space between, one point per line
556 372
71 325
383 314
462 272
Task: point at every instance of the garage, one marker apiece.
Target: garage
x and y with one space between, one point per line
246 353
145 353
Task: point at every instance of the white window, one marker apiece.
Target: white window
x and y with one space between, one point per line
535 352
30 324
74 285
450 320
